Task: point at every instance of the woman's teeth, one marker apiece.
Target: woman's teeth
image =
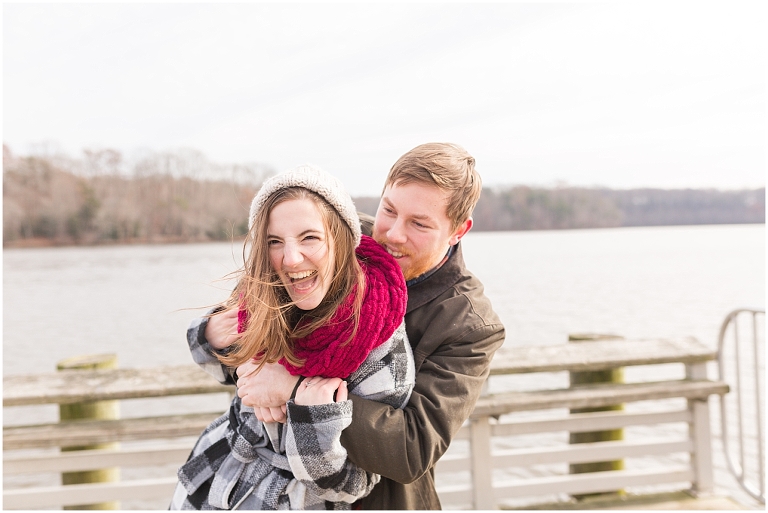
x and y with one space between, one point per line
300 275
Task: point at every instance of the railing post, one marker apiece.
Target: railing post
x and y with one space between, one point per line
90 410
700 433
482 465
604 376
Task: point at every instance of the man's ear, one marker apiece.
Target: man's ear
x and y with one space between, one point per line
460 232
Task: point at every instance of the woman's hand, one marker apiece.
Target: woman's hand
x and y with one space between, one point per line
221 330
315 391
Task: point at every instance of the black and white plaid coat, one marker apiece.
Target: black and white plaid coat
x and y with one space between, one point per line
241 463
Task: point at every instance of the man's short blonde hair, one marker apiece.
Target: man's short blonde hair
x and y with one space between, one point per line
448 167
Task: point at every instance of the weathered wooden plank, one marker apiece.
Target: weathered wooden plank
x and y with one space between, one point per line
82 432
587 452
565 453
569 484
580 422
85 432
591 396
72 386
77 386
455 461
43 497
600 354
594 482
95 459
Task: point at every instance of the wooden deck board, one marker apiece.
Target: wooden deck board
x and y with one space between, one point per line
85 432
600 354
66 387
667 501
593 396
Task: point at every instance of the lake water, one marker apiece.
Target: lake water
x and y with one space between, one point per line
136 301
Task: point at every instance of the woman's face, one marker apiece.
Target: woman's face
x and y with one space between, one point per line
300 251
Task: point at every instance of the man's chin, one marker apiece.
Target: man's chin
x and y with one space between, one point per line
406 272
414 272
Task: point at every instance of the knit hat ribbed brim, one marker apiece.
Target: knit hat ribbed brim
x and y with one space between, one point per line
316 180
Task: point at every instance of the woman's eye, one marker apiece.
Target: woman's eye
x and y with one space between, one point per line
273 242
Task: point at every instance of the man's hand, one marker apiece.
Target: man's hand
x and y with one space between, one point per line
272 414
221 330
266 391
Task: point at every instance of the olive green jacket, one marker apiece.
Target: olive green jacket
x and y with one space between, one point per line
454 333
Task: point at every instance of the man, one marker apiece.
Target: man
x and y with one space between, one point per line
424 212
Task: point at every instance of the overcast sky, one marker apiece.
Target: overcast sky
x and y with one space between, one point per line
620 94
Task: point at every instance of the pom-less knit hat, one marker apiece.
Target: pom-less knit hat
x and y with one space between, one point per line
316 180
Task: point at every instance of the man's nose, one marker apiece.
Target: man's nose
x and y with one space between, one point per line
396 232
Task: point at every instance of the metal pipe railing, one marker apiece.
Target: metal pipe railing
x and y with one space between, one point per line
754 487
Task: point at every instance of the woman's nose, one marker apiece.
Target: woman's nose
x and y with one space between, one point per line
292 255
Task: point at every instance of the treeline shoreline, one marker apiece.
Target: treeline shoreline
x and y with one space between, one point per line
181 197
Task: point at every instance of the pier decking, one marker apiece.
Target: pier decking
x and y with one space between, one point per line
470 476
675 501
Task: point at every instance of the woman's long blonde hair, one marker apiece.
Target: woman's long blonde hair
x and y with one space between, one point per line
273 319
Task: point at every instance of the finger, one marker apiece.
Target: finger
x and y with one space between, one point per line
342 393
266 415
246 369
257 413
320 387
277 414
318 391
332 383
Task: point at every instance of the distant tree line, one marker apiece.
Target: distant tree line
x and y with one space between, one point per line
160 197
530 208
656 207
183 197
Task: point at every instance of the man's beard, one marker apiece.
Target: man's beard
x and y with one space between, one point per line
416 267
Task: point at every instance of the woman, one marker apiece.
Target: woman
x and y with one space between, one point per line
328 304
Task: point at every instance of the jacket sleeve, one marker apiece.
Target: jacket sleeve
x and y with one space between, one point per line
313 445
203 354
404 444
316 456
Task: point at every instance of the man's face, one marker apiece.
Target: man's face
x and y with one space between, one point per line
413 226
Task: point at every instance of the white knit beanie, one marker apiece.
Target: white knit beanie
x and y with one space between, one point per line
316 180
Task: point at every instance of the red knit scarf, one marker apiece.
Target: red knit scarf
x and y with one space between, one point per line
382 311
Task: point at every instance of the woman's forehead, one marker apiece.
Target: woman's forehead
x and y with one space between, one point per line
295 216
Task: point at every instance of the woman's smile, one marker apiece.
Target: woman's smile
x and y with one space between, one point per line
302 281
